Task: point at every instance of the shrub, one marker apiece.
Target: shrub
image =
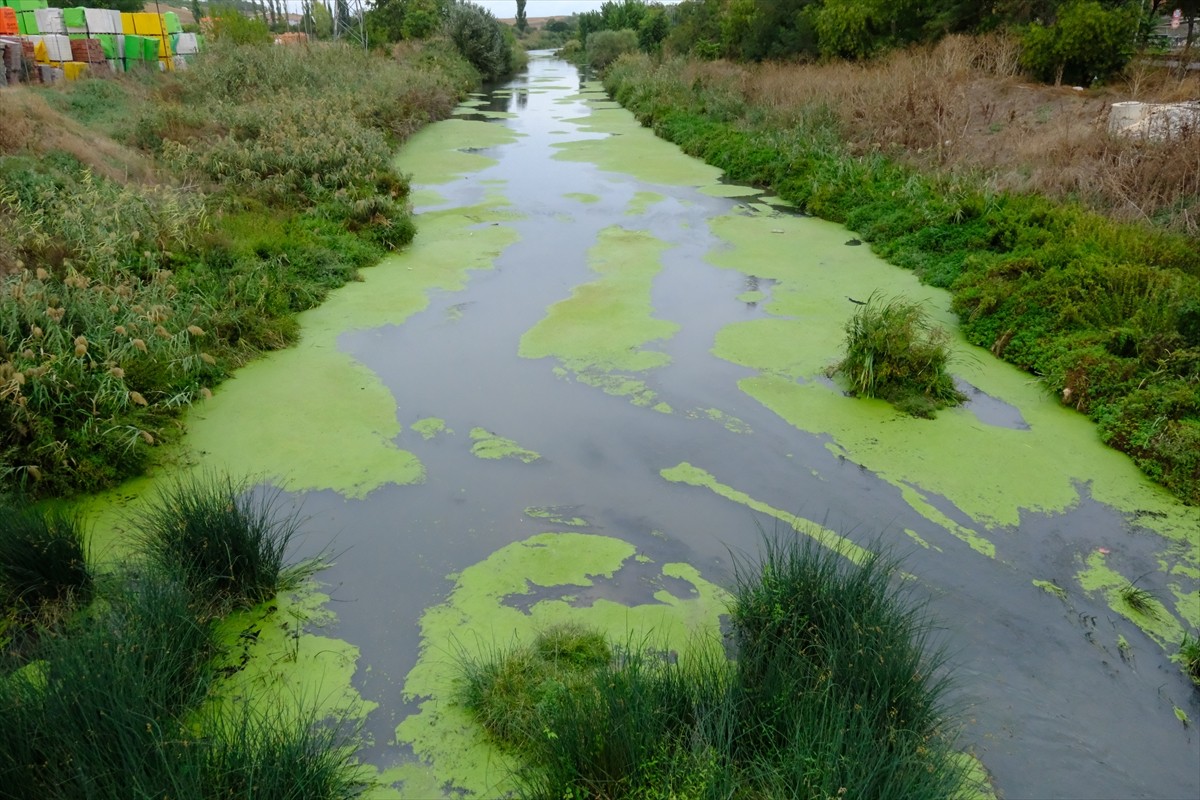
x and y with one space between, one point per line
226 545
605 47
43 561
480 38
895 353
1087 43
508 691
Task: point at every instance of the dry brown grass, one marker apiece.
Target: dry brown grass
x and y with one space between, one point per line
29 125
962 107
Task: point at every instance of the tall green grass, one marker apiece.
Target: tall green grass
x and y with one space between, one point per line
225 544
894 352
43 561
834 688
128 302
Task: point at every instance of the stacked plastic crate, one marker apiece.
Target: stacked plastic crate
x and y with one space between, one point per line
67 43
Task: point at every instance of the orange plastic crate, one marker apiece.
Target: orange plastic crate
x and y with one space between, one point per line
8 22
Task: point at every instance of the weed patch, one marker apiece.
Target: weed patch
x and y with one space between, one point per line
114 700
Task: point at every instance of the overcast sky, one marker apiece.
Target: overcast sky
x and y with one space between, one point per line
505 9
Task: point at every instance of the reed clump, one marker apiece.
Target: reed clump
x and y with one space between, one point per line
833 683
226 544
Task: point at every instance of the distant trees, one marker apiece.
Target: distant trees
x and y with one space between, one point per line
1086 42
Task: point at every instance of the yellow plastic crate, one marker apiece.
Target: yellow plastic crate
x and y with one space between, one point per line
74 70
127 26
146 24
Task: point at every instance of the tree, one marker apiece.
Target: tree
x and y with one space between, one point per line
522 23
1087 43
196 11
605 47
322 20
480 38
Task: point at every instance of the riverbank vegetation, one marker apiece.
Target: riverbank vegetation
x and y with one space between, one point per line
158 231
1047 272
798 711
112 695
894 352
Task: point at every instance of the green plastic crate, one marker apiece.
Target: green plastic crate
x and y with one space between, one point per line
151 44
171 22
108 43
27 23
134 49
74 18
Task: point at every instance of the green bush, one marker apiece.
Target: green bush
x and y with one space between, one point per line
1087 43
605 47
132 302
895 353
481 39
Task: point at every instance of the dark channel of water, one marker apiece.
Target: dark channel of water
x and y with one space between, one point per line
1049 707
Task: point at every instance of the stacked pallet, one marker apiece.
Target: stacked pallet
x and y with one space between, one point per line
67 43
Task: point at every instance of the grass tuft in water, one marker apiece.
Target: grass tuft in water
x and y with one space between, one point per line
43 562
894 352
833 688
1189 657
508 692
1139 600
227 545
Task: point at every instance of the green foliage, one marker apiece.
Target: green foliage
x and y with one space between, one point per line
1086 44
509 692
481 39
798 712
1107 314
230 25
605 47
1139 600
895 353
42 562
225 545
846 28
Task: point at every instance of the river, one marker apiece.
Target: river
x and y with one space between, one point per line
599 371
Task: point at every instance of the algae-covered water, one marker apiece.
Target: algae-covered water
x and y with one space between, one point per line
597 371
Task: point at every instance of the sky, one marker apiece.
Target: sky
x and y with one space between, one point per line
504 9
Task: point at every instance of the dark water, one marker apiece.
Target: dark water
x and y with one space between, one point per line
1049 705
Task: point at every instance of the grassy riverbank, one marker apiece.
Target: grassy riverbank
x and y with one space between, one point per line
1104 311
158 231
798 712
